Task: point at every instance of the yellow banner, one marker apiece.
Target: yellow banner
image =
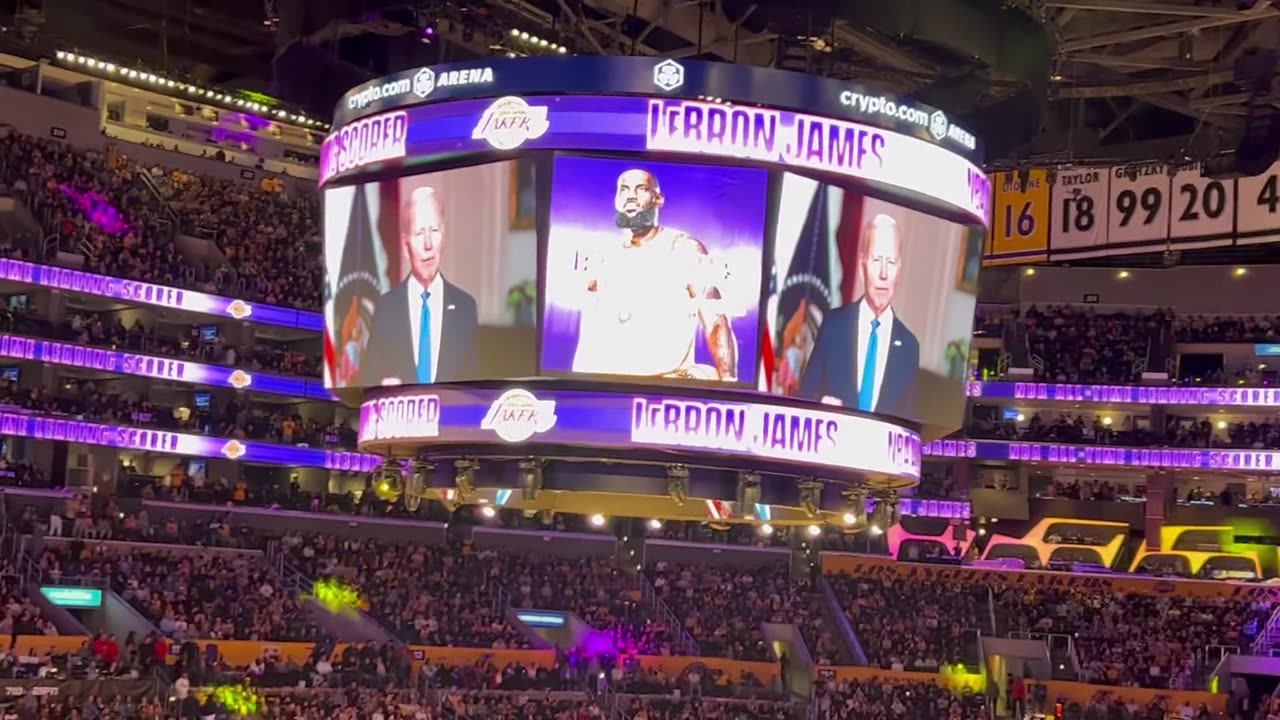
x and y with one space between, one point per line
1020 218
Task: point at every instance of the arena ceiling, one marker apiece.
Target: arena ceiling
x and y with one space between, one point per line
1124 79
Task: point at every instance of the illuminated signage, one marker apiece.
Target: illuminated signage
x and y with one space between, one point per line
112 361
133 291
618 421
46 427
517 415
638 124
1108 455
925 507
668 75
542 619
72 597
379 91
934 121
1128 394
402 417
365 142
509 122
794 139
1267 350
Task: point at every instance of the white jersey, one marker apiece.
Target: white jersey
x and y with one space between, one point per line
642 317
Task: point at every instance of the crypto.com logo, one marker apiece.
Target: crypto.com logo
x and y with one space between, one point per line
938 125
668 75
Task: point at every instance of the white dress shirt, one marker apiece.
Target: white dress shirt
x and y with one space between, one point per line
436 303
884 336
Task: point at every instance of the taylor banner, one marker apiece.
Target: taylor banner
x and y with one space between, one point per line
12 691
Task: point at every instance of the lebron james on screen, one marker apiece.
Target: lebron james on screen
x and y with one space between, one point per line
652 293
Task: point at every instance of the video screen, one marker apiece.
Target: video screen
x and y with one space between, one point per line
430 278
870 304
653 270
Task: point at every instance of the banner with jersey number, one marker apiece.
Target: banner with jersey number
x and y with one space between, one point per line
1126 209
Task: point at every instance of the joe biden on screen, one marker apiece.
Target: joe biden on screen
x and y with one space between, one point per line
424 328
865 357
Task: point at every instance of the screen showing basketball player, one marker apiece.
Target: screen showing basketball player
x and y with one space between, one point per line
429 278
653 270
870 304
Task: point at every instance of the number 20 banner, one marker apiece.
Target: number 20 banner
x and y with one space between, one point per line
1127 209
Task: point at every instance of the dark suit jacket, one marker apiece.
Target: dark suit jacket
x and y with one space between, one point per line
390 350
833 365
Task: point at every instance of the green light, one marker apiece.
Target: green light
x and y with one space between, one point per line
336 596
72 597
237 699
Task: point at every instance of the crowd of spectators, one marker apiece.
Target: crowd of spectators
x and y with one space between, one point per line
723 608
108 330
1227 329
433 595
1131 639
207 594
914 625
1082 346
235 419
905 700
98 202
20 615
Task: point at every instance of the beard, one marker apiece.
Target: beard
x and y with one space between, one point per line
642 220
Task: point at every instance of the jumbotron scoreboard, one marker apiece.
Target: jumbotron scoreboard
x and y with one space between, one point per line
651 287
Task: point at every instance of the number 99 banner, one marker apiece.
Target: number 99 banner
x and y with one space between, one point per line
1095 211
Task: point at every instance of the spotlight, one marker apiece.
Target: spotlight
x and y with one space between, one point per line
465 478
856 514
814 531
414 485
655 524
766 529
748 493
597 520
530 479
811 497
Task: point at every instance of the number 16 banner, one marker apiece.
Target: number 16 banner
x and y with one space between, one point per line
1128 209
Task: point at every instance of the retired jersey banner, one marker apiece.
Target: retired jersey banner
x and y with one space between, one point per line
1095 211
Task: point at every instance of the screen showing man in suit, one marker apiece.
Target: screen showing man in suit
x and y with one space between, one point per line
648 276
870 307
419 273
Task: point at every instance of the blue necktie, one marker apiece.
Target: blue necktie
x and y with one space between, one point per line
867 389
425 374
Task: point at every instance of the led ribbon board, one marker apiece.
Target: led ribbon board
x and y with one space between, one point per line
1128 394
48 427
162 368
782 138
729 83
1106 455
616 420
133 291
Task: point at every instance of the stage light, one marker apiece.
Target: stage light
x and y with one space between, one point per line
811 497
655 524
562 50
748 493
678 483
60 55
597 520
464 479
814 531
530 479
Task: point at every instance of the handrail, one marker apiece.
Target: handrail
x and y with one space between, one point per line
1261 643
664 613
991 610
